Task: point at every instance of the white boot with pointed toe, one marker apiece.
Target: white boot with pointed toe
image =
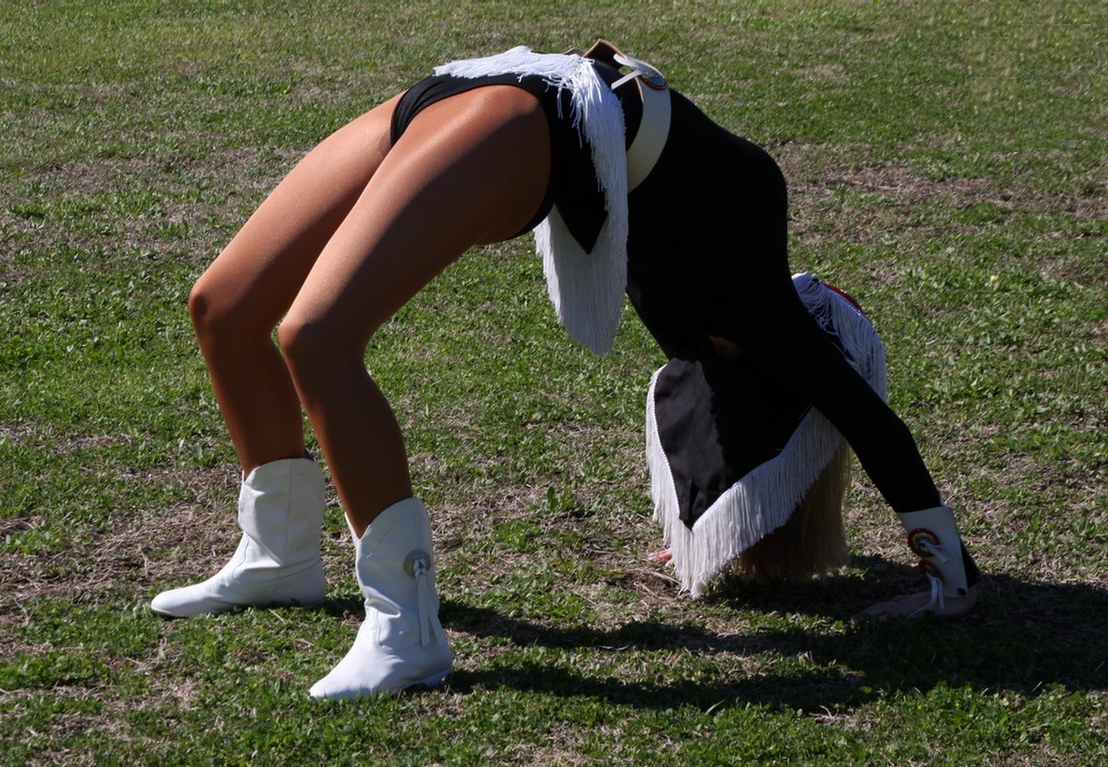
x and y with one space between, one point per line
277 561
401 642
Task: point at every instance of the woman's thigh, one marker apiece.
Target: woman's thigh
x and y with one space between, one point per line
256 277
470 169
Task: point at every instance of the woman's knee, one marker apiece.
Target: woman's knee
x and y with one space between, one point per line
228 302
314 345
213 311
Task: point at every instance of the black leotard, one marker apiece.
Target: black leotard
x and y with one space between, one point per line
707 256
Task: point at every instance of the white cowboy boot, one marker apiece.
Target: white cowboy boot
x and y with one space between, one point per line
401 642
277 561
933 535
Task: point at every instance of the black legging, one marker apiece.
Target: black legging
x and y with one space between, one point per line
708 256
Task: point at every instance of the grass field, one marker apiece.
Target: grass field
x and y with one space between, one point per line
947 165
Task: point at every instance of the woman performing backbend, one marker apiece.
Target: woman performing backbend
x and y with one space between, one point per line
629 188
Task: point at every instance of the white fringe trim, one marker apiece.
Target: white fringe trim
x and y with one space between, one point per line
586 288
767 496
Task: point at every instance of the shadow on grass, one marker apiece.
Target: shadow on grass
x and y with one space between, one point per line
1022 636
341 607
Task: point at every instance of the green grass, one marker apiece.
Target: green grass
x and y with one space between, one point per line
947 166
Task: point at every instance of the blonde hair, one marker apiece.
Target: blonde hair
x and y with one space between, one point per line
813 541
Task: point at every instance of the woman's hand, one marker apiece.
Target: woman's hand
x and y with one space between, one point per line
913 605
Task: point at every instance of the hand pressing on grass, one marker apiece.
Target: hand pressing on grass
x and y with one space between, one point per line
914 605
665 556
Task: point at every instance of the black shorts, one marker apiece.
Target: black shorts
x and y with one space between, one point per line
573 186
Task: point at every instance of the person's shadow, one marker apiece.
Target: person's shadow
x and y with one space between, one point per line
1021 636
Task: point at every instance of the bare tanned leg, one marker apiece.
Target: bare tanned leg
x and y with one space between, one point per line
470 169
241 297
